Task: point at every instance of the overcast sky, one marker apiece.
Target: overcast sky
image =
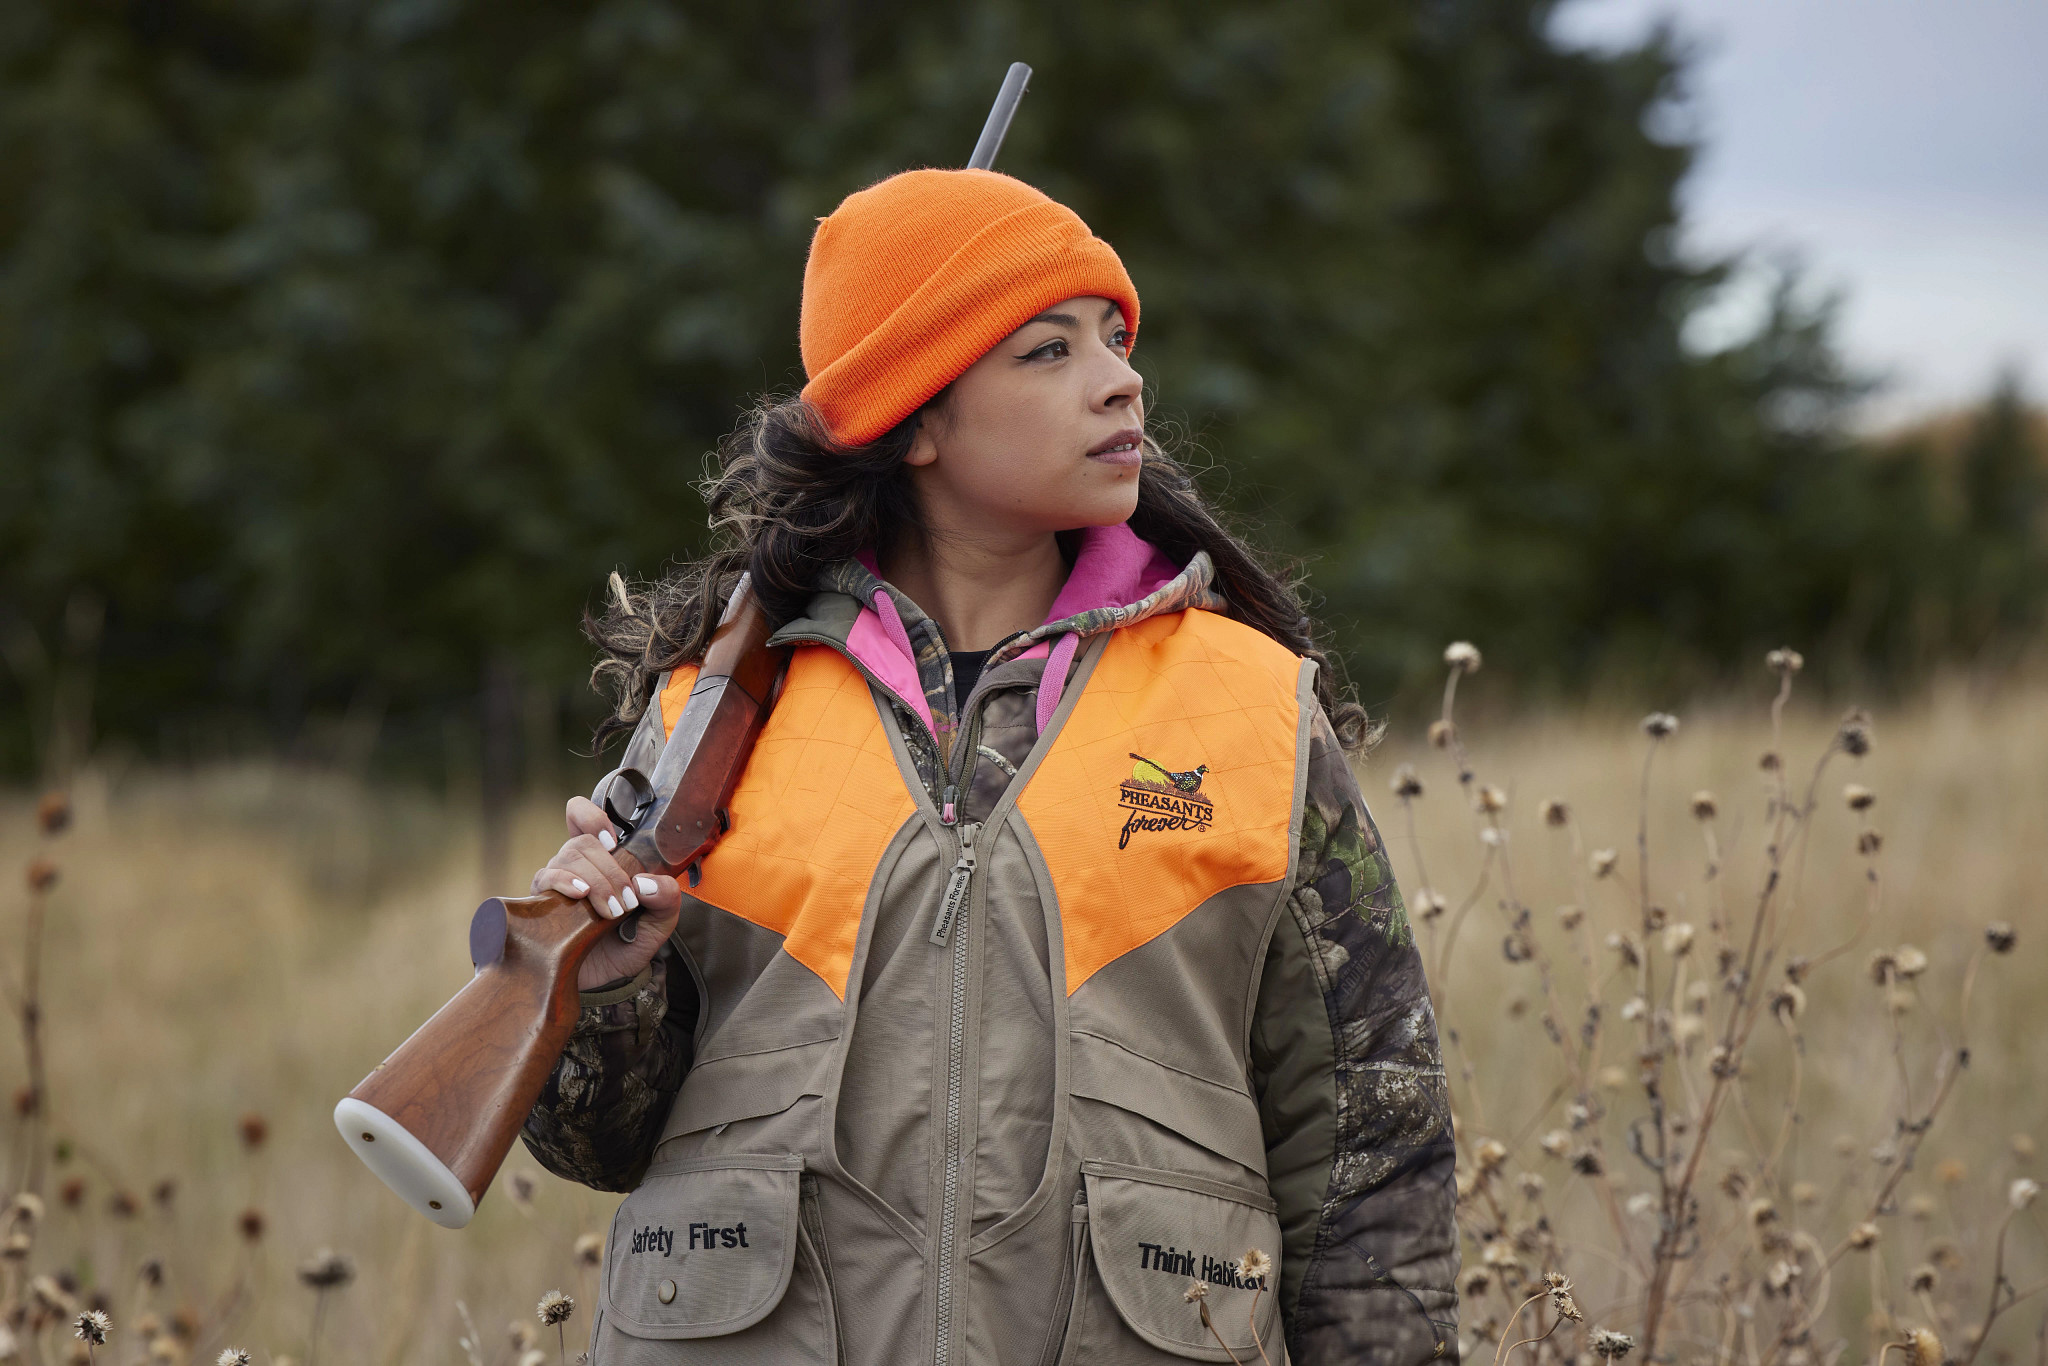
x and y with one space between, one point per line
1900 147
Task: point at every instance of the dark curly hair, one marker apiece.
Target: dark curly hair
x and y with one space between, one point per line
785 498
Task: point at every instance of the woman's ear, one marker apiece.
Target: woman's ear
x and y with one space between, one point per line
924 448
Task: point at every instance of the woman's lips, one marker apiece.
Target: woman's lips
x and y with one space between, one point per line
1125 448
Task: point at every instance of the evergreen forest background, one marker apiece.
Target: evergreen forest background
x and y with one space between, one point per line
345 345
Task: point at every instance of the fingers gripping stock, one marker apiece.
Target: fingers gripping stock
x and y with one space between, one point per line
437 1117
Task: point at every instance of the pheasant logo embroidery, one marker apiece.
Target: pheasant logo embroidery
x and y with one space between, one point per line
1156 797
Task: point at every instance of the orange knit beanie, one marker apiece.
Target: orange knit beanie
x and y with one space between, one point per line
913 279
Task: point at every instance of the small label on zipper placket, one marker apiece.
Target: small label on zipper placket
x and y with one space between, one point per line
956 887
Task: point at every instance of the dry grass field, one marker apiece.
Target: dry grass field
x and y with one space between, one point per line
249 940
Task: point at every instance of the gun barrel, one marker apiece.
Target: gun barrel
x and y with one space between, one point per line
999 115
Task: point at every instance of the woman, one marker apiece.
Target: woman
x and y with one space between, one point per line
1052 966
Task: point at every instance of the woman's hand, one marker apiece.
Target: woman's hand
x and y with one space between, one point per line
584 869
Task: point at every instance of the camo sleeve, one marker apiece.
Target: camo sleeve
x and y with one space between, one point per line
599 1117
1354 1100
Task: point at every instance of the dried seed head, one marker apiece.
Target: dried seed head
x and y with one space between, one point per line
1406 782
1554 812
42 875
1625 949
1855 733
53 1297
589 1249
2022 1192
1762 1211
1462 656
250 1222
1427 905
1634 1008
1531 1184
1561 1298
1612 1345
1255 1265
1784 662
1640 1204
1557 1143
1570 916
28 1207
1868 842
1796 968
1586 1162
2001 936
1498 1252
1704 805
523 1335
1787 1003
1779 1277
1475 1281
327 1269
1858 797
1922 1278
1908 961
1490 1154
522 1189
123 1205
1864 1236
2023 1147
53 813
1678 938
1490 799
166 1350
1612 1078
1769 761
1883 967
1602 862
253 1129
1945 1253
1659 724
232 1356
92 1327
17 1246
1196 1292
1440 733
1926 1347
1805 1193
1950 1171
1920 1208
554 1308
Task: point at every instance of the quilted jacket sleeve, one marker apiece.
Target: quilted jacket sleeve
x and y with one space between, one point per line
1354 1100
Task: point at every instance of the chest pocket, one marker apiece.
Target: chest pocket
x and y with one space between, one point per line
714 1248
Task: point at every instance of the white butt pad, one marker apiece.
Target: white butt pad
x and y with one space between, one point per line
403 1163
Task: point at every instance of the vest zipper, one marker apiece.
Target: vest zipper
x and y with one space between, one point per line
958 886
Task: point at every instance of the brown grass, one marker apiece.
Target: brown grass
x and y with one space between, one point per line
252 939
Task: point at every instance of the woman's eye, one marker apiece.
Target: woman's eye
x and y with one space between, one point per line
1121 339
1047 352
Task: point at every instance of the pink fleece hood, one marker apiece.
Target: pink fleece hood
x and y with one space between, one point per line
1115 569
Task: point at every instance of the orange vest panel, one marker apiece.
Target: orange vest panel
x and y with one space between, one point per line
1134 844
818 804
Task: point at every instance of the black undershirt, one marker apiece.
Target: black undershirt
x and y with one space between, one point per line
967 666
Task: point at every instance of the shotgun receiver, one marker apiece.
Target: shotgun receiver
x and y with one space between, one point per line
437 1117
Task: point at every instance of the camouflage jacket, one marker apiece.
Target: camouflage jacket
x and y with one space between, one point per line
1352 1095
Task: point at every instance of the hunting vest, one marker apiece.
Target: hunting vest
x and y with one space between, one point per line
1153 830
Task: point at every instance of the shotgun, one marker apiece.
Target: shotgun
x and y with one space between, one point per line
436 1118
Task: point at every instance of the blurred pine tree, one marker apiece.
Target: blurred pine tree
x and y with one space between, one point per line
344 346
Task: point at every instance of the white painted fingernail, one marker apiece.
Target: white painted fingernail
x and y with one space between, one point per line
617 909
648 886
606 838
580 885
632 902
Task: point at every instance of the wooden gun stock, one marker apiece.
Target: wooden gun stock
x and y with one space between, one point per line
437 1117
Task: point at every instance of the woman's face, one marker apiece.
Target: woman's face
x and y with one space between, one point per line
1039 435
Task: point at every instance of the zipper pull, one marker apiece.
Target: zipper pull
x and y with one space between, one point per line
947 815
956 888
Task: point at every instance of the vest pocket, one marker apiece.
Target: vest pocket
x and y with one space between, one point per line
1151 1235
713 1249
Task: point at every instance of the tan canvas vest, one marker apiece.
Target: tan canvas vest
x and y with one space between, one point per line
1154 828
